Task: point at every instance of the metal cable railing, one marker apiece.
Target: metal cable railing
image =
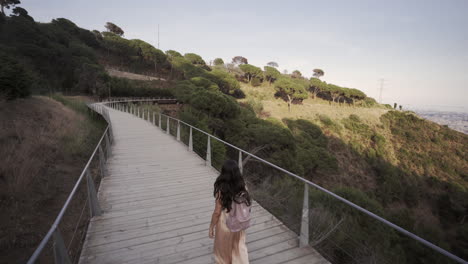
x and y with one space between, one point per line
214 151
60 251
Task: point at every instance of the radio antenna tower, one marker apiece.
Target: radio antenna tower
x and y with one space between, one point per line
380 90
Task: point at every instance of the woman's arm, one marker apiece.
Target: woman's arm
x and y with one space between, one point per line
215 216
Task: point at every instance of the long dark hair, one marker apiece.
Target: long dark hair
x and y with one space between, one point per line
230 185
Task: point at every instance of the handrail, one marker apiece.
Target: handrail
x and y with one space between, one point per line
357 207
57 221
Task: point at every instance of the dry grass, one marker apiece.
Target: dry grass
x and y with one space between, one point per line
43 146
30 139
310 109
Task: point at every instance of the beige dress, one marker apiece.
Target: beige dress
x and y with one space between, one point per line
229 247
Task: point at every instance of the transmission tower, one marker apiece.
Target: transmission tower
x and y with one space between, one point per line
382 81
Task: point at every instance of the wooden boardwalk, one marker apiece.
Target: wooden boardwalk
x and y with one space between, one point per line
157 203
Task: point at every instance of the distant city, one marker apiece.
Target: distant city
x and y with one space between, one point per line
455 118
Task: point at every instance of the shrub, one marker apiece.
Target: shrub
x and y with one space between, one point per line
205 83
15 81
256 82
215 104
328 123
226 83
354 118
195 59
256 106
218 62
369 102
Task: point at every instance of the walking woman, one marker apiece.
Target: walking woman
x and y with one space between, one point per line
231 197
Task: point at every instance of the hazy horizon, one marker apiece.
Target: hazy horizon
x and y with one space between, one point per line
419 48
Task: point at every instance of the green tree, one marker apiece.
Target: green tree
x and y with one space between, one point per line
271 74
315 86
226 82
7 4
218 62
296 74
15 81
18 11
195 59
205 83
239 60
173 54
355 94
289 91
334 90
148 53
273 64
251 71
318 73
111 27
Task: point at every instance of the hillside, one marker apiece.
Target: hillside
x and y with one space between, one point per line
406 169
44 146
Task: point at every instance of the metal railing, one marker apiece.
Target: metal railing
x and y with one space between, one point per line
60 250
185 132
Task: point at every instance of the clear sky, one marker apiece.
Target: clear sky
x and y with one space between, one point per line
419 47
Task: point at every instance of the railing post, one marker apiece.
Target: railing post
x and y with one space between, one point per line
102 161
240 162
208 152
109 131
60 251
138 111
108 148
154 118
167 126
159 121
190 142
304 236
178 130
94 207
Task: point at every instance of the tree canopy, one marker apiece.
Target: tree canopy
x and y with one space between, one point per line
239 60
147 51
14 79
318 73
316 85
218 62
251 71
271 74
7 4
195 59
173 54
296 74
111 27
333 90
290 90
273 64
18 11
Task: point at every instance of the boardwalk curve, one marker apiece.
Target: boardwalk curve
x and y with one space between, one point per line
157 203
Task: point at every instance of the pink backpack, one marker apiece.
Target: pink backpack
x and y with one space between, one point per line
239 217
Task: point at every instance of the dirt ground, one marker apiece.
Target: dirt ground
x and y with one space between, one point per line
39 166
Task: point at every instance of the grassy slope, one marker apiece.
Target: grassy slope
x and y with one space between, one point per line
415 168
44 146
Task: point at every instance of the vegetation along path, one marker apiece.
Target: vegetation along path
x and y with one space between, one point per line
157 203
